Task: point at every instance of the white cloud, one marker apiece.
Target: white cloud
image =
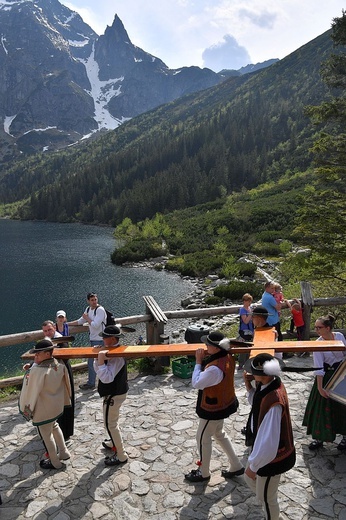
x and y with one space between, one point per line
263 19
180 31
227 54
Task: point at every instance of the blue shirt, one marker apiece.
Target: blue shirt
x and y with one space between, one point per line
245 326
269 302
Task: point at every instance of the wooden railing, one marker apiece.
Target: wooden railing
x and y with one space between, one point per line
155 319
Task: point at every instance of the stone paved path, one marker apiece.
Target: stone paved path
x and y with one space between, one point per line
159 425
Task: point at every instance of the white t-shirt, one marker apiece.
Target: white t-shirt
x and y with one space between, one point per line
98 322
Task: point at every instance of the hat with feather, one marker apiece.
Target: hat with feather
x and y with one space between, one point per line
216 339
264 365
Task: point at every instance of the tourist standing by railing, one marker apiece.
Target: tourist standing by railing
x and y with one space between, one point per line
61 323
96 317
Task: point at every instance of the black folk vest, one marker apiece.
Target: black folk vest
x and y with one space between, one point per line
118 386
273 394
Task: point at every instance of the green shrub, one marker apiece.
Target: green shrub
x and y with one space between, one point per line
175 264
213 300
285 247
136 251
268 236
235 290
247 269
266 249
196 264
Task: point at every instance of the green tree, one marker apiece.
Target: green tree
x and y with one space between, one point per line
322 217
126 230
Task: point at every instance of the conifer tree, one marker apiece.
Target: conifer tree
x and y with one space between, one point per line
322 218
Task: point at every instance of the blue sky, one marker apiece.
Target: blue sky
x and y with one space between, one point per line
214 33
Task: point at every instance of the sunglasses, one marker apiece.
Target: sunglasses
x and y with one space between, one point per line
318 328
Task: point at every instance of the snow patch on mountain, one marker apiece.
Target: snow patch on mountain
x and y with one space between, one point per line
7 124
3 40
102 92
78 43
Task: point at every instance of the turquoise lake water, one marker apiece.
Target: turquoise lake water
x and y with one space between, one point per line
45 267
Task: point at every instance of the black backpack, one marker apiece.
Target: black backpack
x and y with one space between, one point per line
110 320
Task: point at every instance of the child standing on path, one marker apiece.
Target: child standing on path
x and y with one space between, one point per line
297 318
246 328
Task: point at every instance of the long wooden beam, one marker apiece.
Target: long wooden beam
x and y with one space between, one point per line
189 349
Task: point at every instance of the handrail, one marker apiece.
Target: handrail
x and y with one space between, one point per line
160 318
27 337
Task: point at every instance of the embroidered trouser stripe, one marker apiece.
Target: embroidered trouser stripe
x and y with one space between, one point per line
201 442
111 410
106 403
266 489
214 429
265 499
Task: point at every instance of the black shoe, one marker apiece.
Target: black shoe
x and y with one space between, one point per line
46 464
287 355
114 461
231 474
107 447
87 386
195 475
315 445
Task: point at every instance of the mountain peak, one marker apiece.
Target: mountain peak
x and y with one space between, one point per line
117 31
61 81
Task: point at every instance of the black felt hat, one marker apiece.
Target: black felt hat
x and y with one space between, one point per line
264 365
260 310
112 331
216 339
44 345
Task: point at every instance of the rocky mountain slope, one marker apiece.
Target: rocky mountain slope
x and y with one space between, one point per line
60 82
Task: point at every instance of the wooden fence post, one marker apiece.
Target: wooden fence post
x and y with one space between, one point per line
156 326
155 330
308 302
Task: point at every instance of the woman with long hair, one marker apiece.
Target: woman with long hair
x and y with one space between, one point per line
325 417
